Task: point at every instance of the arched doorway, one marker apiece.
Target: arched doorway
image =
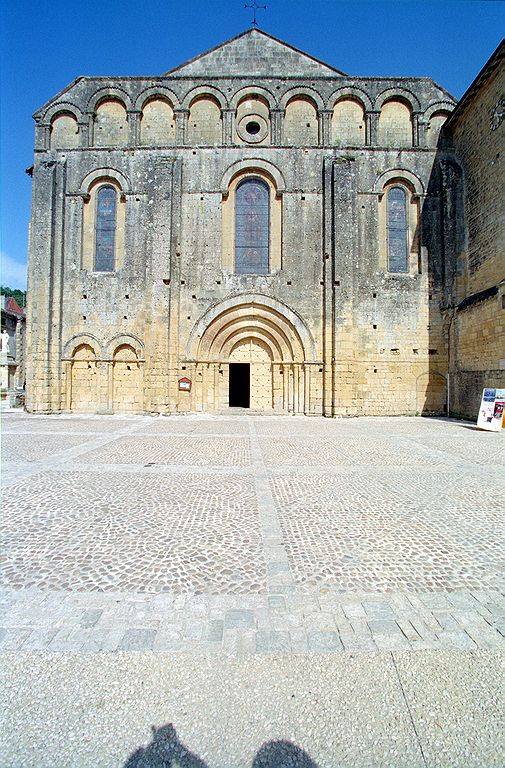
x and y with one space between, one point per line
84 386
126 381
250 380
251 353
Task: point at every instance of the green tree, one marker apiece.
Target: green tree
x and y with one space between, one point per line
16 293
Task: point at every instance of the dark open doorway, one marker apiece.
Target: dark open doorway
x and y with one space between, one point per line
240 376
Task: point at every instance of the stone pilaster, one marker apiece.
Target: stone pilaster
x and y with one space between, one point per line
181 126
42 135
417 132
134 127
84 133
325 116
228 117
276 125
371 127
45 275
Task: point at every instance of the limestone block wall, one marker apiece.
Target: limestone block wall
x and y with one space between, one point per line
384 332
478 326
343 335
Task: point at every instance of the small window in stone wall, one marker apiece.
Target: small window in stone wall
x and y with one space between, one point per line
397 230
252 227
105 229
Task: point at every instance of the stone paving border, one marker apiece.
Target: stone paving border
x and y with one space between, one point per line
279 576
238 625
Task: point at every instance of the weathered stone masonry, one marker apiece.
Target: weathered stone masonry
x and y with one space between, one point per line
476 307
330 328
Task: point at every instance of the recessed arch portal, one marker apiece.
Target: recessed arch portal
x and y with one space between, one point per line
265 337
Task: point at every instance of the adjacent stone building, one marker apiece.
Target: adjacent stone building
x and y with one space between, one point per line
253 228
12 349
477 307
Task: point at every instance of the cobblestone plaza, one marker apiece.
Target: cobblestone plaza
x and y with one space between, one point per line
267 591
248 534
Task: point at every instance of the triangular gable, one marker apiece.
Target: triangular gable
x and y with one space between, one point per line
254 53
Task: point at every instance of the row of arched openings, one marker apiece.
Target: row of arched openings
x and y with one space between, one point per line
252 225
204 126
88 385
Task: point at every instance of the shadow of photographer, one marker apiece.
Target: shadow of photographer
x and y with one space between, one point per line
167 751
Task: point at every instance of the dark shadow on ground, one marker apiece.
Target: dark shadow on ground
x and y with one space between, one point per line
166 751
282 754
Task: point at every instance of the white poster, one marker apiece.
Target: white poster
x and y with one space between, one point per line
491 409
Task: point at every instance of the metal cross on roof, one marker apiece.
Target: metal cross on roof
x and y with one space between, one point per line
254 5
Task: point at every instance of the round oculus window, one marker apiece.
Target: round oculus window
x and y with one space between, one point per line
252 128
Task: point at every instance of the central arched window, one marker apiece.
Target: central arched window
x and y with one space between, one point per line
105 229
252 229
397 230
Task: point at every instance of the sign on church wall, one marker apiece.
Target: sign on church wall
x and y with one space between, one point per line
491 410
185 385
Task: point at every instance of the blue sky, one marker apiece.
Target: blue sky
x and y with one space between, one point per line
45 45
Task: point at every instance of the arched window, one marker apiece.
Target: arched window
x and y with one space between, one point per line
397 230
252 230
111 125
64 131
204 122
157 126
348 124
105 229
300 123
395 125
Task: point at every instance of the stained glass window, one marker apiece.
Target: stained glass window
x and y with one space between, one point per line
397 230
252 217
105 229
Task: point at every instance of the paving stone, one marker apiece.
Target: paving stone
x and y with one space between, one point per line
168 639
91 617
318 641
67 639
383 627
236 617
461 640
138 640
214 631
355 642
39 640
273 641
14 639
378 611
298 640
277 603
354 611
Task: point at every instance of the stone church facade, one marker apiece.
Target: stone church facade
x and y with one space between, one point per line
253 228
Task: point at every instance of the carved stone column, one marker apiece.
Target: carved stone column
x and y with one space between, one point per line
84 133
371 127
276 125
417 140
134 127
285 387
228 118
91 126
181 126
325 116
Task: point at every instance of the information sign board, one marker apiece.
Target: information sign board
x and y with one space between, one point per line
491 410
185 385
